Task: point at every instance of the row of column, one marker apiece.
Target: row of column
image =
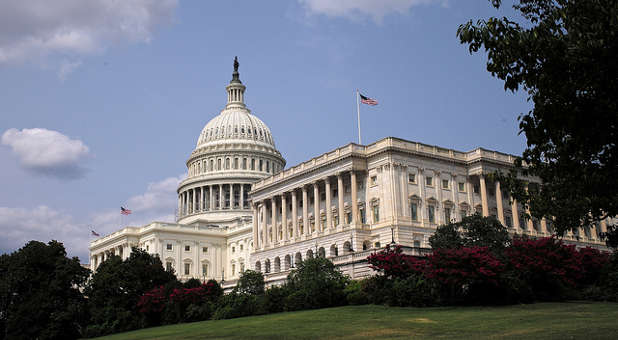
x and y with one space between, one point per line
97 259
270 232
194 200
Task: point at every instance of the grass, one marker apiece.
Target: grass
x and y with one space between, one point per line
572 320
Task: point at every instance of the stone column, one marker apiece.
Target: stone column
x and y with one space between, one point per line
221 202
484 204
316 206
242 196
203 202
231 196
354 194
254 207
211 198
273 203
529 224
284 216
340 192
264 226
593 230
179 205
329 210
499 203
294 215
305 212
603 224
544 225
194 199
403 175
515 214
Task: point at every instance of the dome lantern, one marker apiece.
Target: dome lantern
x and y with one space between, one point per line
235 90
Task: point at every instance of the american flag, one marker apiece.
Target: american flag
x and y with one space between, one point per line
94 233
125 211
367 100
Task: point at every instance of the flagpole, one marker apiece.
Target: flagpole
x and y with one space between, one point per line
358 116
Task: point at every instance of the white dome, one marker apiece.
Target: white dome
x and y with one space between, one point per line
235 124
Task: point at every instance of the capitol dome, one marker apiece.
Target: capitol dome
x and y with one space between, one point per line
234 150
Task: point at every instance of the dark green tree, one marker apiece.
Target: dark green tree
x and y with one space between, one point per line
250 282
473 231
115 289
315 283
563 54
40 294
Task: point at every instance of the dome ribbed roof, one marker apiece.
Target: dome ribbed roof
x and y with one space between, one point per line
234 125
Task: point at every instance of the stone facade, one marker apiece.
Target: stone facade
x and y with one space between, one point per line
238 209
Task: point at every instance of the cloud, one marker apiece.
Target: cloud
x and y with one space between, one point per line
34 29
67 67
47 152
20 225
376 9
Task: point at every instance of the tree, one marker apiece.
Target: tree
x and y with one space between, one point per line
116 287
473 231
40 294
563 54
315 283
250 282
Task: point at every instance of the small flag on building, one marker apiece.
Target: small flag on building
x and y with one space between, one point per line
125 211
94 233
367 100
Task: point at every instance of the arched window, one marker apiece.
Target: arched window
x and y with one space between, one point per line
227 163
219 164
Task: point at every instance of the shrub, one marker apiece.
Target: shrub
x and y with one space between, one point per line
192 283
315 283
414 290
250 282
354 294
473 231
377 289
236 305
274 298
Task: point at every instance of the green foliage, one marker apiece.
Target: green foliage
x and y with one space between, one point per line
315 283
472 231
235 305
275 298
414 290
39 293
611 236
115 289
563 54
354 294
250 282
192 283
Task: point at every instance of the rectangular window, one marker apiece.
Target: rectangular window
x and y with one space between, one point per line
233 249
445 184
414 211
462 186
233 269
168 246
374 180
187 248
187 268
476 189
204 249
362 216
241 247
412 178
463 213
376 213
348 217
168 266
447 215
204 269
431 214
508 221
429 181
336 220
244 164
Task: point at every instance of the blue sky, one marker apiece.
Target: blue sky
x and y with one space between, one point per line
119 93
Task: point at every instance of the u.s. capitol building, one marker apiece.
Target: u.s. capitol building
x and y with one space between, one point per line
239 208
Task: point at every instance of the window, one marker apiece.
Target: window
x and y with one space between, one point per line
261 165
476 189
233 249
431 210
447 215
334 192
235 163
429 181
244 164
445 184
168 246
187 248
242 267
348 217
267 166
147 247
233 269
412 178
462 186
227 163
168 266
252 164
204 249
362 216
463 213
241 247
204 269
374 180
414 211
376 213
508 221
187 268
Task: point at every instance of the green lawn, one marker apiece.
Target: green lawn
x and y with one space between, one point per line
574 320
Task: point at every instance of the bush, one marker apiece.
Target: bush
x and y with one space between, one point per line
393 263
414 290
250 282
377 289
354 294
274 298
192 283
315 283
473 231
235 305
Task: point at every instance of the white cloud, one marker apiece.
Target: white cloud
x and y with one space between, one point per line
67 67
20 225
47 152
31 30
376 9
